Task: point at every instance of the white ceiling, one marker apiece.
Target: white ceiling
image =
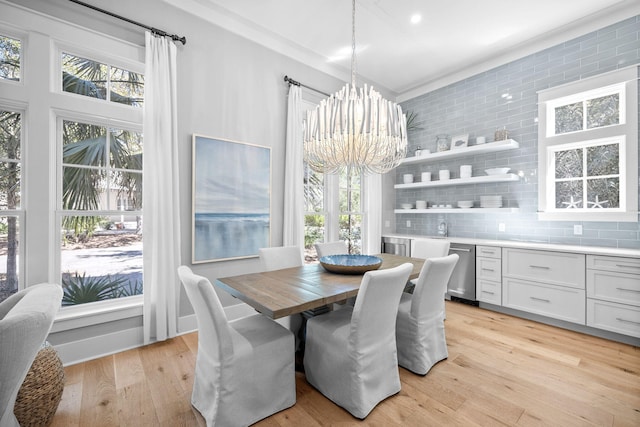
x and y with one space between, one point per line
454 38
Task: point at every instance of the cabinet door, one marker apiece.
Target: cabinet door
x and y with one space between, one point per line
557 268
611 263
488 252
620 318
489 291
489 268
613 286
559 302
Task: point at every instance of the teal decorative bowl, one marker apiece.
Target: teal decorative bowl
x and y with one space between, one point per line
350 264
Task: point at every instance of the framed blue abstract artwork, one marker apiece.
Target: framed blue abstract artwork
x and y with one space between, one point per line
231 184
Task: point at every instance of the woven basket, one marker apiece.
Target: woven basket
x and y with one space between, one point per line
41 390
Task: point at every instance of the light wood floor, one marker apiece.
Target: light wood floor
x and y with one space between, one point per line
501 370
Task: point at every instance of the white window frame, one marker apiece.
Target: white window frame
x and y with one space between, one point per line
39 94
626 131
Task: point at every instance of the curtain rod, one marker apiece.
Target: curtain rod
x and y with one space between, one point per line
174 37
293 82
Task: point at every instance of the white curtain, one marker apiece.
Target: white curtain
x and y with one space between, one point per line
293 227
161 200
372 233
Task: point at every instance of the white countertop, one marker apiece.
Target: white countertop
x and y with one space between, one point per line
592 250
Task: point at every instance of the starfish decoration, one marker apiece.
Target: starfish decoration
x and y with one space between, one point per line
573 204
597 203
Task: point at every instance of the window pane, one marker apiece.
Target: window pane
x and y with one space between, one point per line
603 111
104 260
127 87
603 193
10 138
569 118
349 196
126 149
9 234
569 164
84 189
351 232
313 233
603 160
569 195
313 190
84 76
9 58
84 144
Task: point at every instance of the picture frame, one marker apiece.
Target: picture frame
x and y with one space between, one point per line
459 141
231 199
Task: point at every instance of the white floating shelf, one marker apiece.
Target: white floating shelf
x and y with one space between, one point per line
457 210
490 147
509 177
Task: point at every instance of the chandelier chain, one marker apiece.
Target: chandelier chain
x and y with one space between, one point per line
353 44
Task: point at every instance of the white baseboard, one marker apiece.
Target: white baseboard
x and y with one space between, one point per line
78 351
98 346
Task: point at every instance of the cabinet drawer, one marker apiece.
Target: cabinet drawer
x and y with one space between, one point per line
547 300
488 291
611 263
558 268
620 318
615 287
489 251
489 268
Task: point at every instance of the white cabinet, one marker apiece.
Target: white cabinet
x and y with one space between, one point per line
544 282
489 274
557 268
613 294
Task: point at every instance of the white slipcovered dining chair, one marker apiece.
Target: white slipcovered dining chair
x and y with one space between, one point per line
244 368
25 321
420 334
331 248
277 258
428 248
351 353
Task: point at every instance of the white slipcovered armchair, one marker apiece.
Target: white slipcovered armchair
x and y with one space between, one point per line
244 368
420 326
25 321
350 353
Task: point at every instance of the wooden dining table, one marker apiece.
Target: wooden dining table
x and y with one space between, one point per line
281 293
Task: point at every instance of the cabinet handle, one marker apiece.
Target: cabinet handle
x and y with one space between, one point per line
627 321
540 299
460 249
628 290
543 267
487 252
487 292
488 269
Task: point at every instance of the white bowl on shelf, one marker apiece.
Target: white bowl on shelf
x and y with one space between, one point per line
497 171
406 206
465 204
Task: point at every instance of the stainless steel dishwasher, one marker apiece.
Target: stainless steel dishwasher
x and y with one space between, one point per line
396 246
462 285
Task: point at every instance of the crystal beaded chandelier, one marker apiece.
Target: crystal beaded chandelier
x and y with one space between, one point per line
355 129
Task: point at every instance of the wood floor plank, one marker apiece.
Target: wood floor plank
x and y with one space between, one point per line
501 371
99 401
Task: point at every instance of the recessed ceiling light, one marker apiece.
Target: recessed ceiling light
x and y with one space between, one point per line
416 18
